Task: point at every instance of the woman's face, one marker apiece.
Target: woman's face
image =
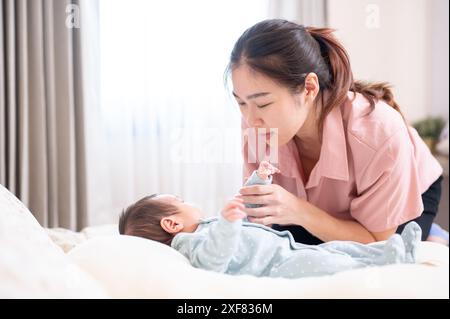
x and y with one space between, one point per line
266 104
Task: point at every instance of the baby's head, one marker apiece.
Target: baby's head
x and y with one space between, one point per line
159 217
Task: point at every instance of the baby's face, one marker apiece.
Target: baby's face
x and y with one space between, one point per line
190 214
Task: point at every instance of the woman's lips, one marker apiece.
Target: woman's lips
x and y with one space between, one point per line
262 131
267 134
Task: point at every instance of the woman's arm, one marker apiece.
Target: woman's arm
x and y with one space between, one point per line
284 208
327 227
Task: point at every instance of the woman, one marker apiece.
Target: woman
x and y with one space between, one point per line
351 168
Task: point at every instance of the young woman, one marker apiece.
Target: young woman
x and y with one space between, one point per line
351 167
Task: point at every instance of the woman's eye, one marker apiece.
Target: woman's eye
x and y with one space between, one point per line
241 103
264 105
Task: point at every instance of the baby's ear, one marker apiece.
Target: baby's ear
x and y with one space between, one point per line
171 225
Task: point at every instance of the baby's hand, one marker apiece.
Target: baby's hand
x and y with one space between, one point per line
265 169
234 210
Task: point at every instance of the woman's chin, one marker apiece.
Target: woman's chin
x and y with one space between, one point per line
277 141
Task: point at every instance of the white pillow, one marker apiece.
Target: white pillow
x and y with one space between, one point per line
132 267
100 230
31 265
68 239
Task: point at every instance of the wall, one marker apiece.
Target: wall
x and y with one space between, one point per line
439 26
404 42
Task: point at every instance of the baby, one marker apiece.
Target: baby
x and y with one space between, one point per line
228 244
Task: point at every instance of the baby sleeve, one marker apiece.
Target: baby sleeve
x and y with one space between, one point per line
254 179
212 249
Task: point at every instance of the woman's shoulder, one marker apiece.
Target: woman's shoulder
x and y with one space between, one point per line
372 126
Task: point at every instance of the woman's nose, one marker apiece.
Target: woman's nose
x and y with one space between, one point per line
254 121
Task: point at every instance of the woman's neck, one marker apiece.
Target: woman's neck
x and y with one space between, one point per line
308 136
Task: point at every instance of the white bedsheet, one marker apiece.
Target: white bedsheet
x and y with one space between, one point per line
99 263
131 267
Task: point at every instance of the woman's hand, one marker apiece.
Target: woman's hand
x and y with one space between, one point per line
234 210
280 206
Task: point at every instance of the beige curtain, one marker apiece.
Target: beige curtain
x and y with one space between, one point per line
42 146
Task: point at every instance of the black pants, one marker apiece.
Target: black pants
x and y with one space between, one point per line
430 199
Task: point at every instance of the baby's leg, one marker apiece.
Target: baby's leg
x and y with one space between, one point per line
394 251
397 249
313 262
412 236
380 253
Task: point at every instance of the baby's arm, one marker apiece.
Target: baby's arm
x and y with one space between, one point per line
214 249
263 175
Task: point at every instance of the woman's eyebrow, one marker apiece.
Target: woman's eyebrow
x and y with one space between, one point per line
254 95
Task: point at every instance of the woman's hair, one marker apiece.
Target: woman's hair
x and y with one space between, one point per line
287 52
142 219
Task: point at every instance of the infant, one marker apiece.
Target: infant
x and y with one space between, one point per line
229 244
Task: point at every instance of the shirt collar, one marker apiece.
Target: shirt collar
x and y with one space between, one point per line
332 162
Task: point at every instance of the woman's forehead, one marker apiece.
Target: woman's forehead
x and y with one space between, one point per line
245 77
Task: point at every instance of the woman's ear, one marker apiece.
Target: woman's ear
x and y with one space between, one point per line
312 86
171 224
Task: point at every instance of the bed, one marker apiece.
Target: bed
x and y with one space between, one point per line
97 262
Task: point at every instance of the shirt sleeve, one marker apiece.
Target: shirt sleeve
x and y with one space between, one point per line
211 250
389 188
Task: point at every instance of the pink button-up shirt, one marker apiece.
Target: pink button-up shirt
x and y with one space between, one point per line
372 167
